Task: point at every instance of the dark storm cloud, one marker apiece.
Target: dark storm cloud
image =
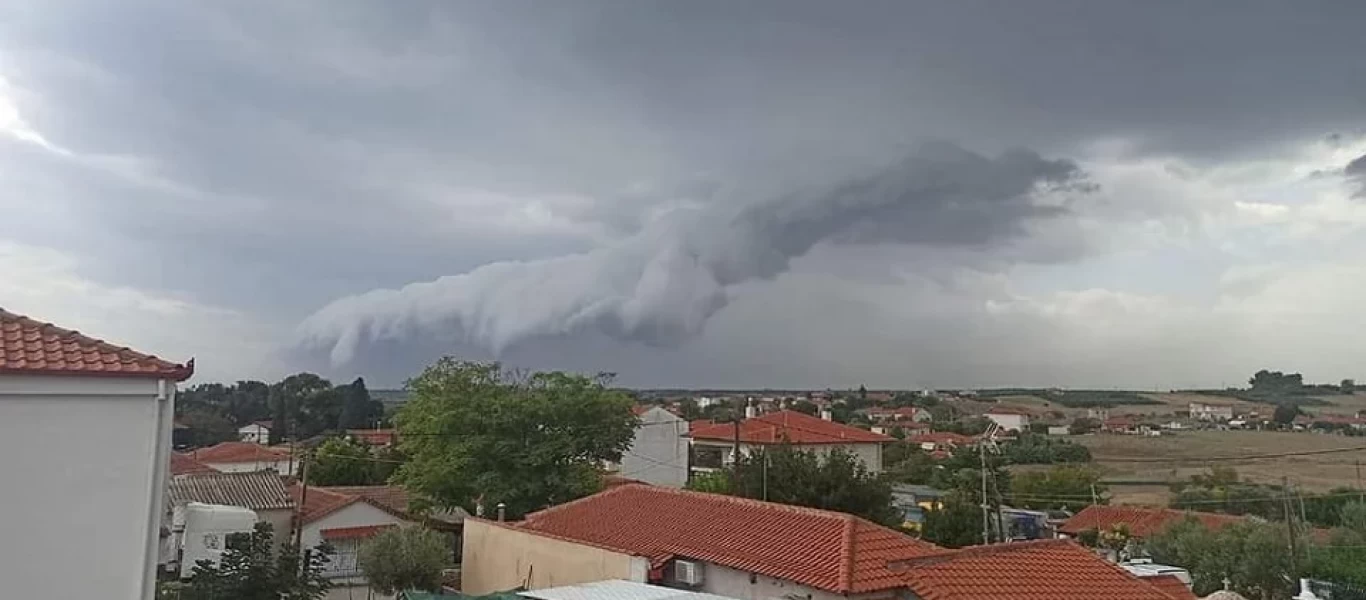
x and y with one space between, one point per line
661 287
276 156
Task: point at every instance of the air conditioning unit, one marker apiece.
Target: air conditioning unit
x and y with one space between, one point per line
688 572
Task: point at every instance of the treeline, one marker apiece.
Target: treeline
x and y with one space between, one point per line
1222 490
1074 398
301 406
1285 389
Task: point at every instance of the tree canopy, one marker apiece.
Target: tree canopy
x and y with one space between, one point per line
405 558
837 480
343 461
1251 556
956 523
1069 487
473 430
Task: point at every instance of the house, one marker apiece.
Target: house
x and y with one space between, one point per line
941 441
1009 419
906 427
239 457
713 443
255 432
182 465
1211 411
615 589
710 543
752 550
659 450
1035 570
262 492
1059 430
383 438
346 516
913 500
1141 521
903 413
87 425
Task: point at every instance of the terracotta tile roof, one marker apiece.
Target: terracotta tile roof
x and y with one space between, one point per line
323 501
319 502
239 452
1042 570
32 347
362 531
374 437
1172 586
184 465
787 426
391 496
1141 521
260 490
822 549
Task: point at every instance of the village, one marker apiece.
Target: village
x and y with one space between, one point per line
925 494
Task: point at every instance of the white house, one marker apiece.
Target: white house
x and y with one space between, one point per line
659 451
244 457
1211 411
346 516
86 429
1009 419
256 432
713 443
263 492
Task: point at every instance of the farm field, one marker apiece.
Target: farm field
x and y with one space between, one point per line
1145 483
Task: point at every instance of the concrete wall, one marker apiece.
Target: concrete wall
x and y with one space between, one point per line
254 433
498 558
283 467
659 452
85 474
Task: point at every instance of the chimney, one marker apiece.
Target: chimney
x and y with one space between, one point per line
502 511
826 415
751 410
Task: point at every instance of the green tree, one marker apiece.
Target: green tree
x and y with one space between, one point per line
1251 556
303 405
688 409
1081 425
1285 413
359 410
837 480
251 570
805 407
957 523
342 461
1066 486
1348 386
405 558
473 430
715 482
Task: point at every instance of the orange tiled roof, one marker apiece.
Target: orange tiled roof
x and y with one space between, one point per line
787 426
1141 521
1042 570
822 549
374 437
184 465
239 452
323 501
32 347
361 531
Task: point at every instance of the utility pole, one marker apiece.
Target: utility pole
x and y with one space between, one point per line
735 416
1289 514
1361 494
986 514
303 498
1094 498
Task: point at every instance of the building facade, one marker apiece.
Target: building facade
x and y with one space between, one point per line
92 423
659 451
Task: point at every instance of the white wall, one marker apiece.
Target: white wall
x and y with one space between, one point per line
1010 422
732 583
359 514
499 558
84 471
659 452
254 433
283 466
869 453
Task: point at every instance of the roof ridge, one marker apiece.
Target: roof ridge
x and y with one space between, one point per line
807 510
982 550
180 371
846 573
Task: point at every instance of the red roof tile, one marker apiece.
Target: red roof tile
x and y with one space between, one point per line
32 347
787 426
823 549
318 502
184 465
1172 587
239 452
1042 570
374 437
323 501
1141 521
352 533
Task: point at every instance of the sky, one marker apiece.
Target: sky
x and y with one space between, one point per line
791 194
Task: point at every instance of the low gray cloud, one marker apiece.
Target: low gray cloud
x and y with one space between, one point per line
661 286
